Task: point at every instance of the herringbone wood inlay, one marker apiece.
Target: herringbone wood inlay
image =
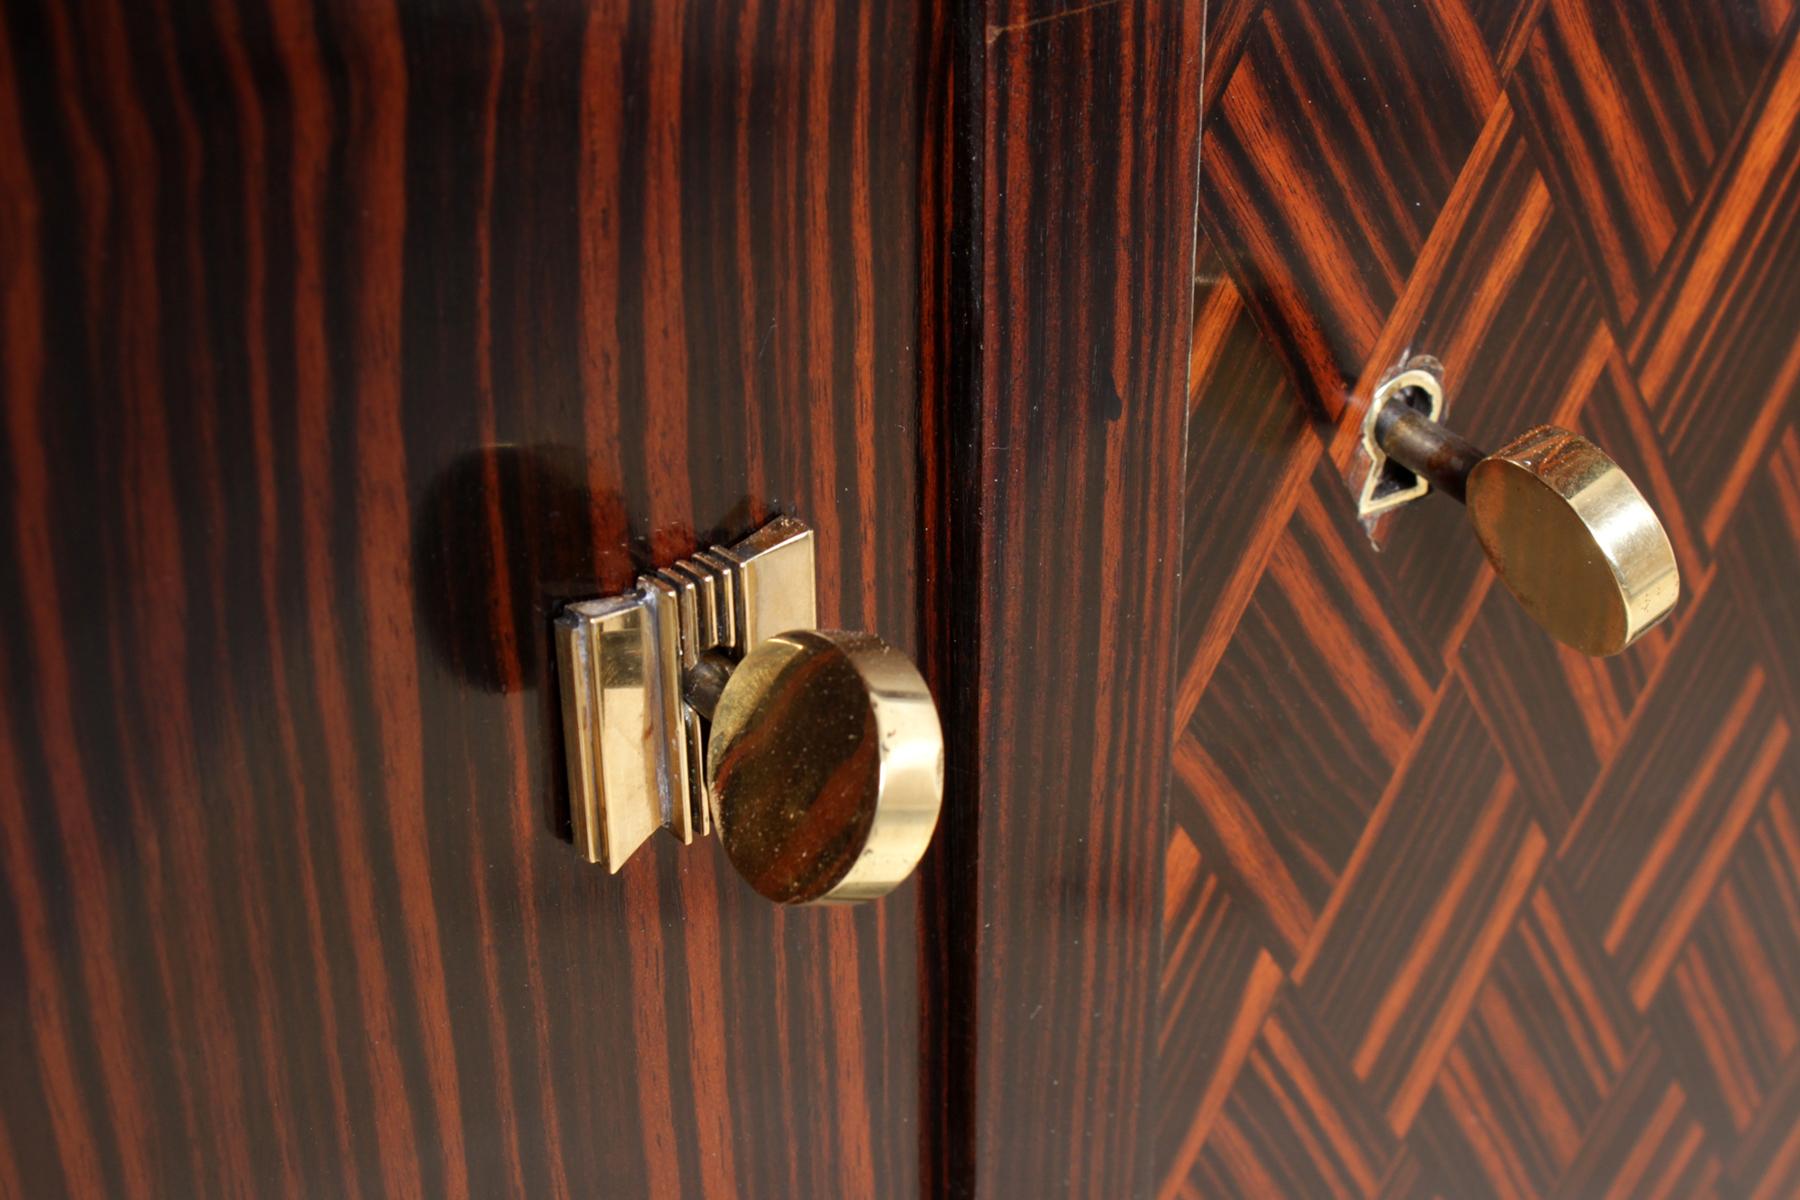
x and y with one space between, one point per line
1450 910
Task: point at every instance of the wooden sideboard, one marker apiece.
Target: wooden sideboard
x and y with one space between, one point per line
345 342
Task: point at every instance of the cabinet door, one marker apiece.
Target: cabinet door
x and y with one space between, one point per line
1449 909
343 342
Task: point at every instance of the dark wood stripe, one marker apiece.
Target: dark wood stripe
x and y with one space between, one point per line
1082 135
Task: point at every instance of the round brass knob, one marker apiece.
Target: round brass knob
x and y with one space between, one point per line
825 762
1573 539
1565 529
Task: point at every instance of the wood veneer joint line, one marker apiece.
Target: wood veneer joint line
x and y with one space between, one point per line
1744 177
1256 859
1698 887
1750 457
1477 846
1447 1025
1241 588
1253 1008
1377 821
1688 806
1683 253
1661 668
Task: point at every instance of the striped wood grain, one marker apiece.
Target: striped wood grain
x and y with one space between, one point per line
343 342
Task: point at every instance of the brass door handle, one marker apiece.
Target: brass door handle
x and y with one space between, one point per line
826 767
705 697
1564 528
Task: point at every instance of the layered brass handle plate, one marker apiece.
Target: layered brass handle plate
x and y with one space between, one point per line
1564 528
706 698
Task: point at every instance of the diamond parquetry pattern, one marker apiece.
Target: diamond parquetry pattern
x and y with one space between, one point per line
1449 910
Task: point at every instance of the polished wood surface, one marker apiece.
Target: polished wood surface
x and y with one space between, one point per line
1071 247
1449 910
342 342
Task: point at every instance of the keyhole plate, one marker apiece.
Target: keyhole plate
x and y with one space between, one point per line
1388 484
